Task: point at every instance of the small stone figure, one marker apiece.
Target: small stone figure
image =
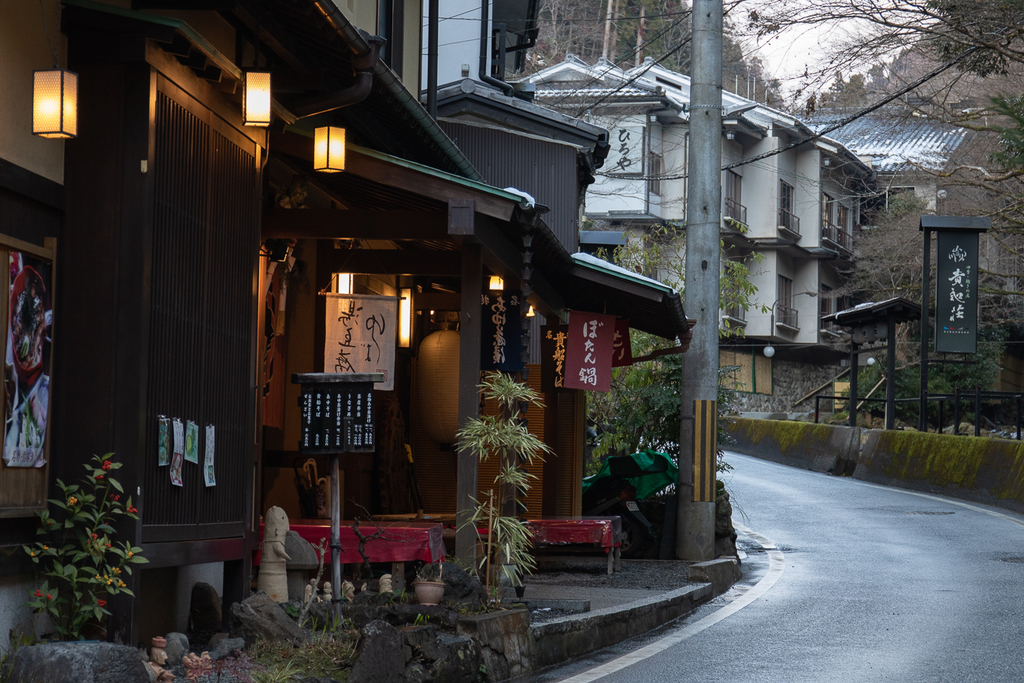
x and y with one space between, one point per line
310 592
158 660
384 585
273 579
348 591
197 666
327 597
362 589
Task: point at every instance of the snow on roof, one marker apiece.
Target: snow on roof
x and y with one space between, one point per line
895 141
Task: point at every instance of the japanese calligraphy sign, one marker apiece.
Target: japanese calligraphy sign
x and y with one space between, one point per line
553 339
337 413
588 356
622 349
360 335
500 331
956 292
627 150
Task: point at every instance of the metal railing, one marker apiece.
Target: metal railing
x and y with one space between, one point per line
789 221
735 211
787 315
838 236
735 312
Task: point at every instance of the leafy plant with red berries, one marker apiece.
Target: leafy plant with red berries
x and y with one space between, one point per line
80 563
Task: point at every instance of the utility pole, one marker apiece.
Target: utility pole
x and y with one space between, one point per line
695 493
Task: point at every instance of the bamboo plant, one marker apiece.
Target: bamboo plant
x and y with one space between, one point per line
504 435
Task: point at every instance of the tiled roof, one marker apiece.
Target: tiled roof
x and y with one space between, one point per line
895 141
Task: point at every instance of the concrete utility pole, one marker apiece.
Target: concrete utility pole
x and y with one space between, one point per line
695 511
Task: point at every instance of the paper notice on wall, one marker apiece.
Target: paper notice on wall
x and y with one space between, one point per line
209 476
361 331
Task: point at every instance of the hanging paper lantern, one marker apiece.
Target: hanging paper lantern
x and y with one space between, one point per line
438 383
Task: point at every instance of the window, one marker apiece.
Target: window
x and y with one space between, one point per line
785 314
734 208
843 218
828 208
655 169
825 306
787 219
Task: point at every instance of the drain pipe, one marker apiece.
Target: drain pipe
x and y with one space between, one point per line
485 41
363 65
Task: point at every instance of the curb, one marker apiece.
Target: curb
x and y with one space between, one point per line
560 640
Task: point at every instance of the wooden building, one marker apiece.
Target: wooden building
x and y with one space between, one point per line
161 219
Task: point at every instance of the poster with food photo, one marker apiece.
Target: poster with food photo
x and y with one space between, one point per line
27 363
191 442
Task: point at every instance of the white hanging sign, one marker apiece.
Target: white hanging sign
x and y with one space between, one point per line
360 336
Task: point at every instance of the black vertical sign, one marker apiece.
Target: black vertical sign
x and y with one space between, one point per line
956 292
500 331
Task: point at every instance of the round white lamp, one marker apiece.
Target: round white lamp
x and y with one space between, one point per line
871 361
769 351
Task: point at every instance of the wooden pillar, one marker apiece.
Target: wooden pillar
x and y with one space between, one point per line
469 397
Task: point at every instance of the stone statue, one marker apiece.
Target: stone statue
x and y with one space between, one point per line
197 666
310 592
273 578
158 660
326 597
348 591
384 585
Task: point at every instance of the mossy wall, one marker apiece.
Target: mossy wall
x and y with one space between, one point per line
975 468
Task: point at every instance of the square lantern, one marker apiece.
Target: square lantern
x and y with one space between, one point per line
256 109
329 149
55 104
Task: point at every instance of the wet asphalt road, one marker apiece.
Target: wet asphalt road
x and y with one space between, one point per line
878 584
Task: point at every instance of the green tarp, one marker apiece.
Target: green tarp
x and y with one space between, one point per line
648 472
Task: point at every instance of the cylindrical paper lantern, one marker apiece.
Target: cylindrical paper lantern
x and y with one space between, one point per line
438 381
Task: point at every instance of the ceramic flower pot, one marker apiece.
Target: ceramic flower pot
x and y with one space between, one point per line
428 592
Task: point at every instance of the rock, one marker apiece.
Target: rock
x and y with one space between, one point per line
303 559
216 638
459 661
260 617
177 647
407 614
362 615
226 647
78 662
204 614
382 656
461 589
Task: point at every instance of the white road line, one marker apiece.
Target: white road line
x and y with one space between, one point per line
776 565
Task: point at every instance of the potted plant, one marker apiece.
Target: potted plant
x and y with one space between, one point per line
507 546
429 586
79 562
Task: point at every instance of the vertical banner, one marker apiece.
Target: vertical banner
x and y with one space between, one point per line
622 349
500 331
588 356
360 336
27 374
705 450
956 292
553 339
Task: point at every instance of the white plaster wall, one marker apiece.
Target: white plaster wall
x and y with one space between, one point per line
14 592
24 48
190 575
808 195
806 279
761 189
762 276
674 140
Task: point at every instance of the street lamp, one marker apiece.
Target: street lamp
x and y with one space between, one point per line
769 350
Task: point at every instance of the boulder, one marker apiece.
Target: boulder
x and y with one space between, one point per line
382 656
177 647
226 647
78 662
303 560
259 616
204 614
461 589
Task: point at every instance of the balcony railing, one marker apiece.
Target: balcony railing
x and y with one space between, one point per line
735 211
736 314
789 221
837 236
786 315
831 329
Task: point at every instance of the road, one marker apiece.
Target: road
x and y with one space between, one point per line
878 584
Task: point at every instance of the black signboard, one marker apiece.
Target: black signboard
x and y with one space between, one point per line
956 292
337 412
500 331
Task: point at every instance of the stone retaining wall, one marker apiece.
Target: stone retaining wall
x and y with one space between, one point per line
981 469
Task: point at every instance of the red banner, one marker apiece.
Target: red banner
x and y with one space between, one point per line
622 350
588 355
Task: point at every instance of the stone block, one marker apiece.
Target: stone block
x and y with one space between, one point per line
78 662
721 573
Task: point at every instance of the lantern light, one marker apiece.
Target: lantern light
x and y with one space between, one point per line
496 283
329 149
55 104
256 110
530 313
405 318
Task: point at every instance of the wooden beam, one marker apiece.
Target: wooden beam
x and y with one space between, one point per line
354 224
393 262
466 484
